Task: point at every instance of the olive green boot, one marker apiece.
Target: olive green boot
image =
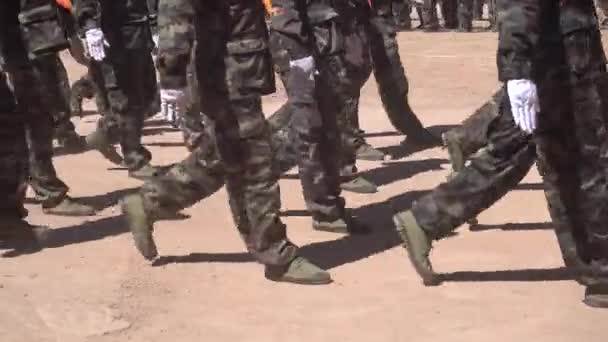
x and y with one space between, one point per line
69 207
366 152
418 245
596 296
298 271
144 172
345 225
100 142
140 224
71 143
359 185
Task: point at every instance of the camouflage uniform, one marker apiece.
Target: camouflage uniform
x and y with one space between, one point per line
449 9
561 51
465 15
429 15
402 11
17 45
603 7
234 65
126 28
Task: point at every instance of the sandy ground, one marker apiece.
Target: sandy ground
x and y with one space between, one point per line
506 278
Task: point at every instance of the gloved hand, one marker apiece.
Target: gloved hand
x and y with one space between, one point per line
94 44
306 64
524 103
155 39
173 103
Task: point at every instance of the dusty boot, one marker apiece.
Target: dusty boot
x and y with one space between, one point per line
418 246
99 141
596 296
366 152
345 225
69 207
141 226
71 143
144 172
21 237
298 271
359 185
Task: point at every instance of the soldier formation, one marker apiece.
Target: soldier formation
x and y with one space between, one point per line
216 59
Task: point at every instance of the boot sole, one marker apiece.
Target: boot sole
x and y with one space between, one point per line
50 212
149 255
358 191
429 278
300 281
596 303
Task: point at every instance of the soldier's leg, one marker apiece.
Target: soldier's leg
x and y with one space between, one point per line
49 189
448 11
57 95
150 87
13 174
477 10
125 94
466 139
392 82
401 10
465 15
603 6
491 174
492 14
429 15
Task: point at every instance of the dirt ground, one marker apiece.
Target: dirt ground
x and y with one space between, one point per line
506 280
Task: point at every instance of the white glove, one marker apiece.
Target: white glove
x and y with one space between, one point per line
524 103
94 43
155 39
306 64
173 102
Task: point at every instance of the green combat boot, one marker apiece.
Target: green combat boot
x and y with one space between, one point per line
71 143
366 152
141 226
418 246
20 236
298 271
69 207
99 141
144 172
359 185
345 225
596 296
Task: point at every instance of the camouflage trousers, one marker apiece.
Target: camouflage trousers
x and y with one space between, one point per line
569 160
57 93
13 153
241 154
123 75
49 189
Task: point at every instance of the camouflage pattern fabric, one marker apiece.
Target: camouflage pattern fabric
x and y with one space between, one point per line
233 57
571 135
128 62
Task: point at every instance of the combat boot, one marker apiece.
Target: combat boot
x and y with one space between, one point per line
418 245
100 142
69 207
20 236
359 185
141 225
144 172
70 143
423 138
596 296
365 151
343 225
298 271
